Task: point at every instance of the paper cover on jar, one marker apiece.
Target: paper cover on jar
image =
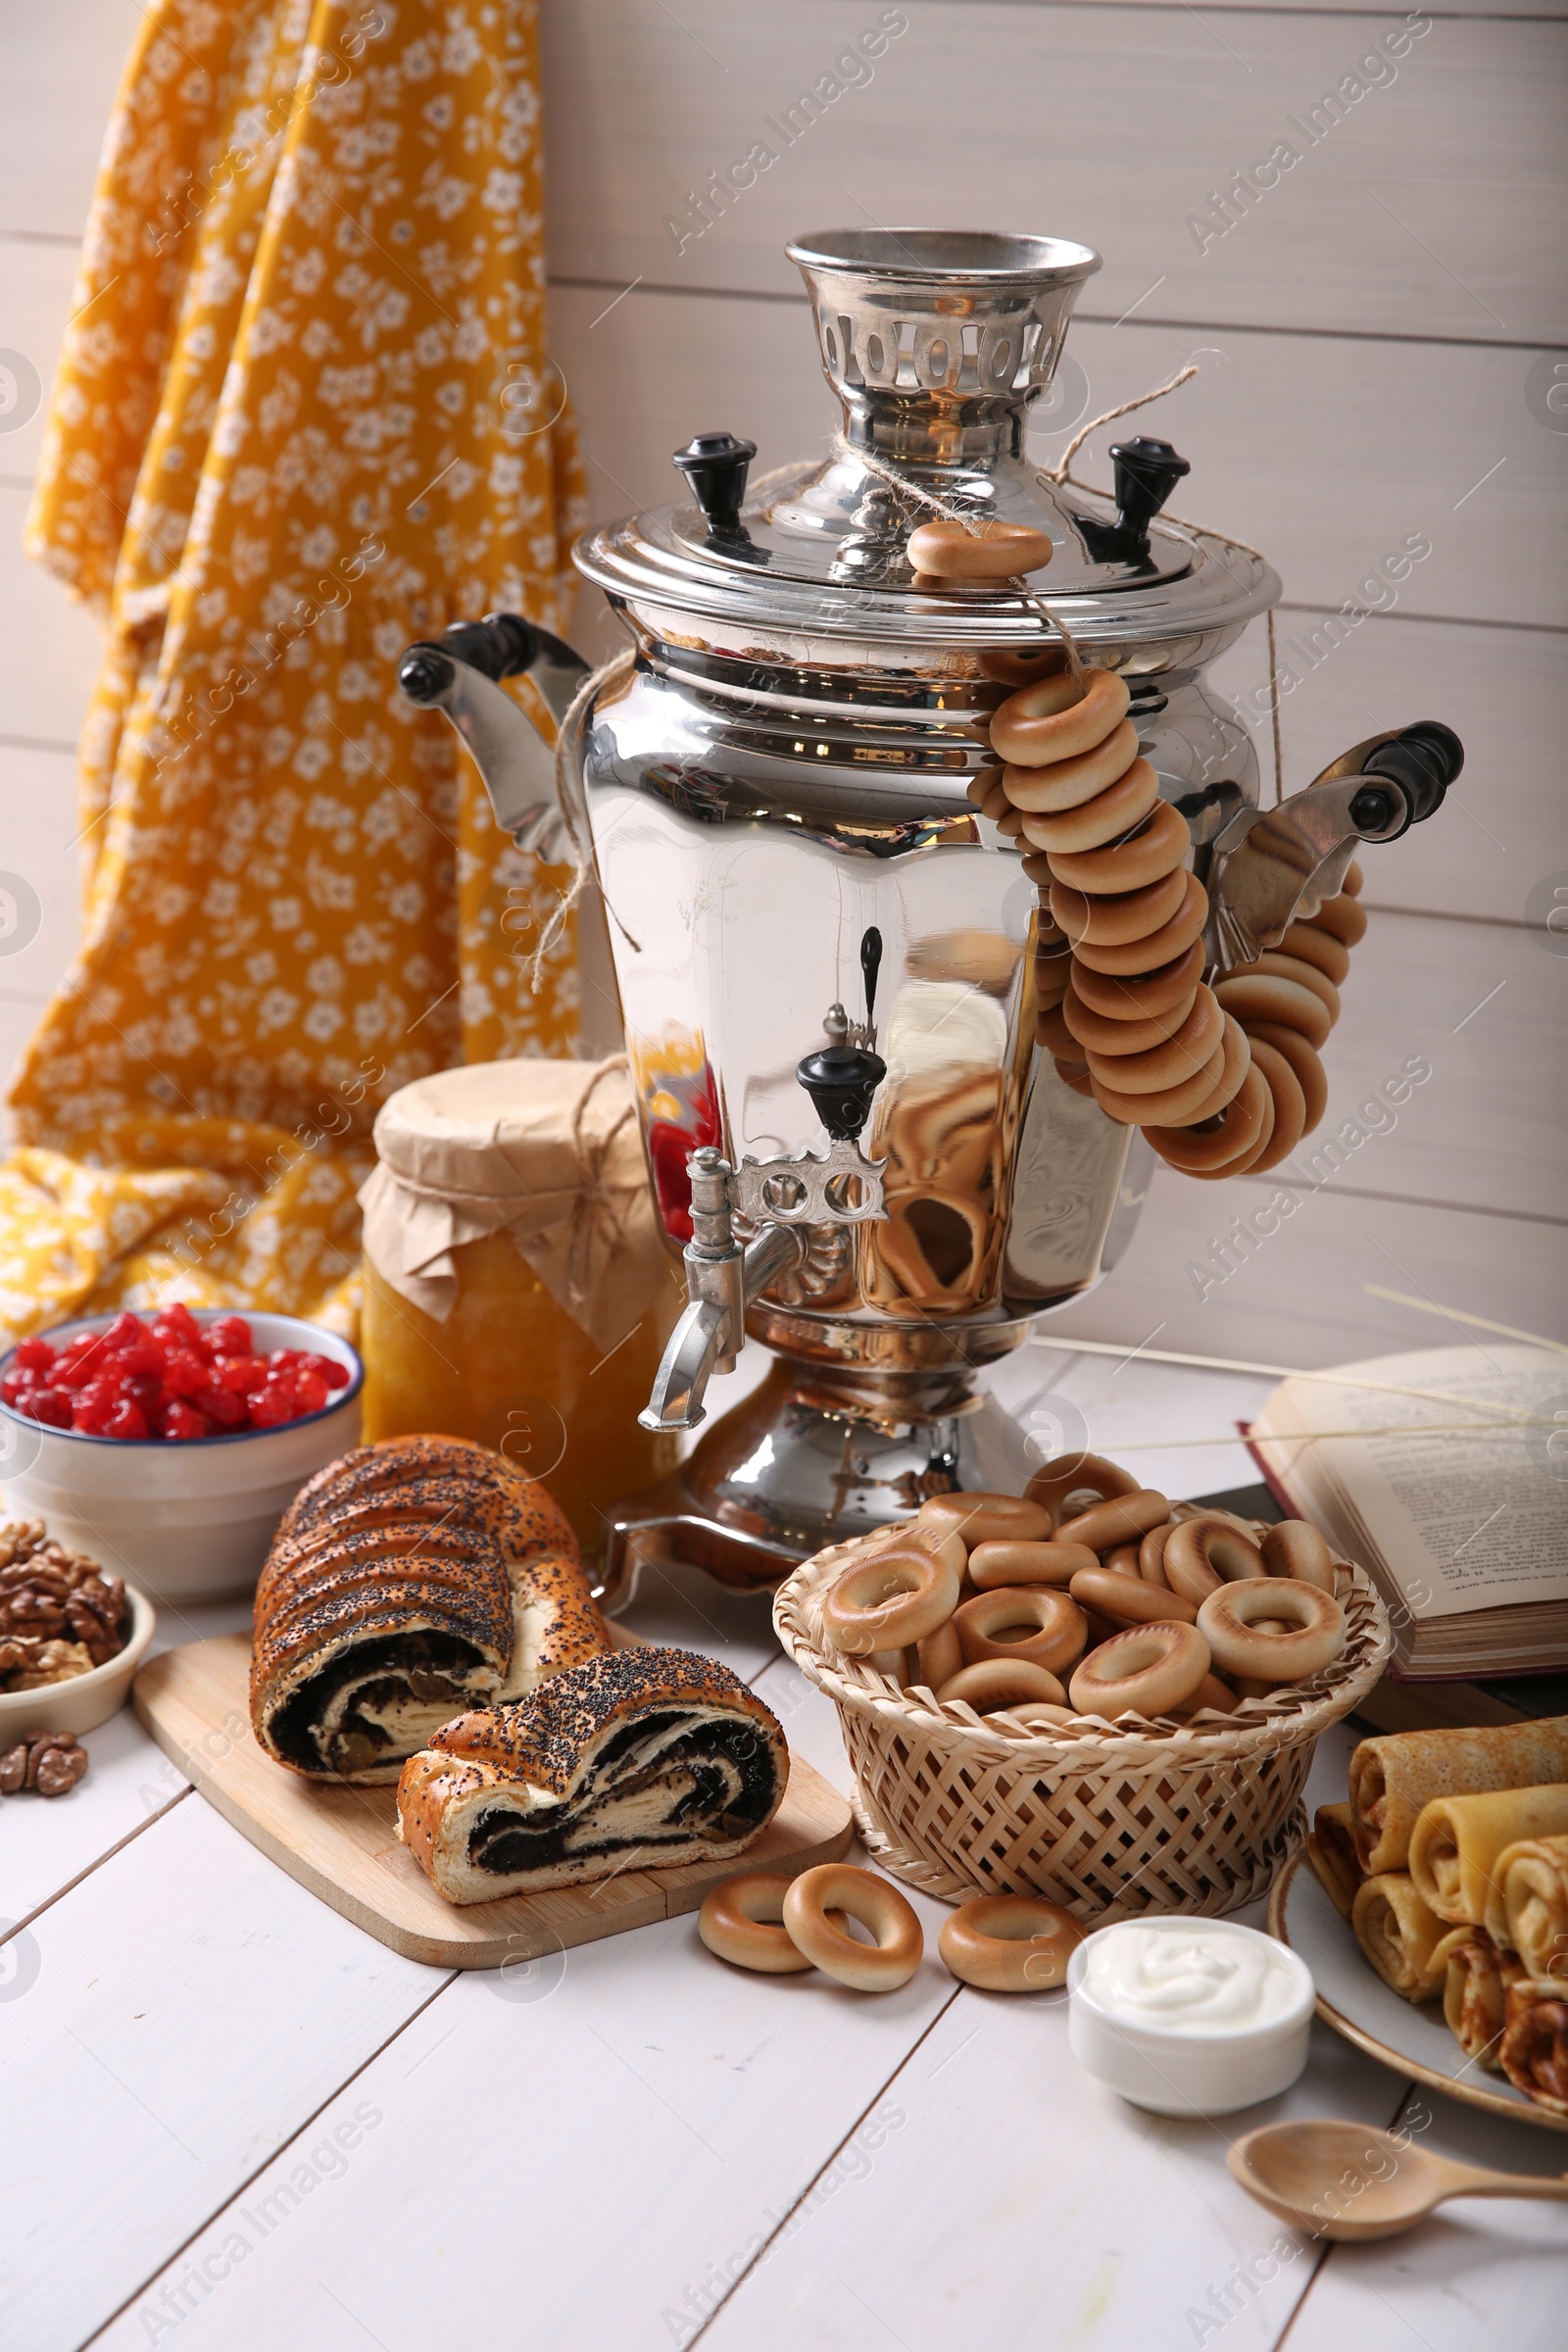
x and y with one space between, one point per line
546 1151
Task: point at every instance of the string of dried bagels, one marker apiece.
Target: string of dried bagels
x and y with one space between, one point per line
1223 1079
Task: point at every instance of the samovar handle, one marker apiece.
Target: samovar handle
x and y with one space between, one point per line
460 673
1271 863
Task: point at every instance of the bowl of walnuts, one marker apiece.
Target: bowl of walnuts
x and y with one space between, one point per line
72 1636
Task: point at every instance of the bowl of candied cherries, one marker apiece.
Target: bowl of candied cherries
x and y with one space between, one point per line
171 1377
169 1443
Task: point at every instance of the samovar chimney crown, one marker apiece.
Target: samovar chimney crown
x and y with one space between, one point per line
926 332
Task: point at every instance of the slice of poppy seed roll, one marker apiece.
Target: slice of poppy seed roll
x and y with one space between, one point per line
408 1581
650 1752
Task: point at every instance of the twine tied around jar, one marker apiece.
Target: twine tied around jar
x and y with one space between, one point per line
531 1149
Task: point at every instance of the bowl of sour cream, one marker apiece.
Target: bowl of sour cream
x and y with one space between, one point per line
1188 2016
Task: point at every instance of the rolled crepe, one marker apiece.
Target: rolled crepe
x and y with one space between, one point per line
1406 1942
1530 1906
1331 1850
1458 1841
1475 1993
1392 1777
1535 2044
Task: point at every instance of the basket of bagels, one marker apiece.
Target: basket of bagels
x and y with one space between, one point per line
1084 1692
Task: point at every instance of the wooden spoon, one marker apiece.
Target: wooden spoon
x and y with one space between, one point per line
1352 2182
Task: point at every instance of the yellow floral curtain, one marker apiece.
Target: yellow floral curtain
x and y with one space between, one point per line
303 415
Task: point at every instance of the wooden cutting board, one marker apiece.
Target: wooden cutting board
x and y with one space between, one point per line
341 1844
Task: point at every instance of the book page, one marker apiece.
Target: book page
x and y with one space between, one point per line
1468 1508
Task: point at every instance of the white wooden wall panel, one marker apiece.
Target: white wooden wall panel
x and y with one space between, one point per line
1502 827
1112 125
1303 1297
50 647
62 69
1299 445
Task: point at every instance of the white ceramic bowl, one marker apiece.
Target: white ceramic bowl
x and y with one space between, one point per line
88 1699
1190 2072
188 1520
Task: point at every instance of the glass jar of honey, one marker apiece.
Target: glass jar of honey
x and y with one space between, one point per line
516 1291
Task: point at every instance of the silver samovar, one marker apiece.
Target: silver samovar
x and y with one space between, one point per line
824 952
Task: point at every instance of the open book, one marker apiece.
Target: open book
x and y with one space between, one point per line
1445 1475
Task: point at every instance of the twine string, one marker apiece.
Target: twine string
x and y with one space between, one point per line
1060 475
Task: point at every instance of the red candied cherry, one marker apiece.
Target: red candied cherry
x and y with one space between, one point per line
145 1391
51 1406
143 1359
14 1383
310 1391
178 1325
80 1361
241 1374
285 1359
272 1406
230 1334
221 1406
126 1331
335 1374
126 1420
34 1353
179 1419
184 1372
90 1409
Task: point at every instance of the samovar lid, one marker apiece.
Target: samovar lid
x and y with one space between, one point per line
935 342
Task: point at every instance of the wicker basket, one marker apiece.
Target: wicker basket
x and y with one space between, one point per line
1111 1821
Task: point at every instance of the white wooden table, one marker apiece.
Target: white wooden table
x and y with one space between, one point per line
233 2121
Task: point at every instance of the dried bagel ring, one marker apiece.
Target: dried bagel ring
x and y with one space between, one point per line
1262 997
1289 1098
1036 791
1120 919
989 550
1211 1693
939 1657
1128 1601
1092 824
1310 944
1160 948
1070 1475
1204 1555
1220 1150
1272 965
1151 1556
1120 1519
881 1967
980 1517
1303 1061
1295 1549
1229 1621
1161 844
1058 1636
1047 1563
739 1921
1099 1034
1135 995
1052 723
1175 1105
1175 1059
997 1685
1145 1671
893 1594
1342 919
1010 1942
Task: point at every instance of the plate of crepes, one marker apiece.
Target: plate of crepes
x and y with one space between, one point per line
1431 1909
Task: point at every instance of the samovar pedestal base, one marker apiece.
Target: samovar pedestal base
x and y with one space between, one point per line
812 1457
